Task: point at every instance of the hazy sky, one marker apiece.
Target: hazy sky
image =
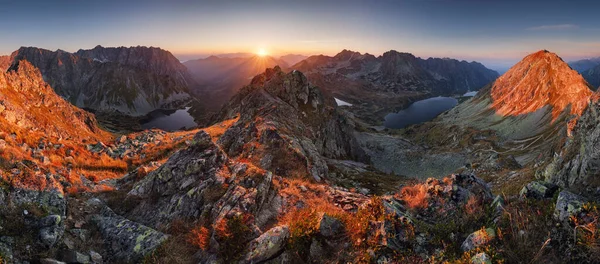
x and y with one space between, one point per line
495 32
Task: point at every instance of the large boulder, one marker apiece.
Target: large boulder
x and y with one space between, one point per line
268 245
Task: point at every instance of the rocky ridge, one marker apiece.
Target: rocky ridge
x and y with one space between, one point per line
132 81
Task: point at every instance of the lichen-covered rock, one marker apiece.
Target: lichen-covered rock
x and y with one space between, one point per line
478 238
268 245
127 241
567 205
481 258
538 190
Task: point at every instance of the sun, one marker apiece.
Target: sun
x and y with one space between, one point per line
262 52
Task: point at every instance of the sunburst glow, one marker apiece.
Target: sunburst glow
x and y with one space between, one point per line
262 52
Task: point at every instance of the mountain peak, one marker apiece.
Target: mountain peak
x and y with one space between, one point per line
346 55
541 78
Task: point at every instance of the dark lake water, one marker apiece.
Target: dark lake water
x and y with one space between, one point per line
419 112
171 120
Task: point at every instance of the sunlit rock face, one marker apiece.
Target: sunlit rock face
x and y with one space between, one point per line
540 79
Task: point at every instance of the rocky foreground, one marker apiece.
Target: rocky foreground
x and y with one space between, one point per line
284 177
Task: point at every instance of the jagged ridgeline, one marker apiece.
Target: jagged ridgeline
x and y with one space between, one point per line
132 81
381 85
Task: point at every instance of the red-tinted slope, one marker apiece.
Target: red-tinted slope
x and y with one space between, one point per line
540 79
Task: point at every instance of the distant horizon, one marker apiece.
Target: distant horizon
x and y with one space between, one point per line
500 68
495 33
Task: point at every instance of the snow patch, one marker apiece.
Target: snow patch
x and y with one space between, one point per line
470 94
341 103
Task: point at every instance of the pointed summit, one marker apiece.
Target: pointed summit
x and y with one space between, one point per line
540 79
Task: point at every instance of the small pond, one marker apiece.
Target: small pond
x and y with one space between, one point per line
169 120
419 112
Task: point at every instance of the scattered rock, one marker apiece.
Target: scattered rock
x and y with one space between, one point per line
51 261
330 227
74 257
268 245
567 205
478 238
96 257
481 258
51 229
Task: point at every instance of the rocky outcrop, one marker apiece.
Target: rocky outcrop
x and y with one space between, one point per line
127 241
568 204
288 126
132 81
577 164
199 181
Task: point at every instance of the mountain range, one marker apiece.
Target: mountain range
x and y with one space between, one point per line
390 82
285 175
132 81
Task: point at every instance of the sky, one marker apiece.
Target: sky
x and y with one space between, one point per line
497 33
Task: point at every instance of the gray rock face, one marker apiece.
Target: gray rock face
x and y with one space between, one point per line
578 164
292 125
268 245
567 205
133 81
126 240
